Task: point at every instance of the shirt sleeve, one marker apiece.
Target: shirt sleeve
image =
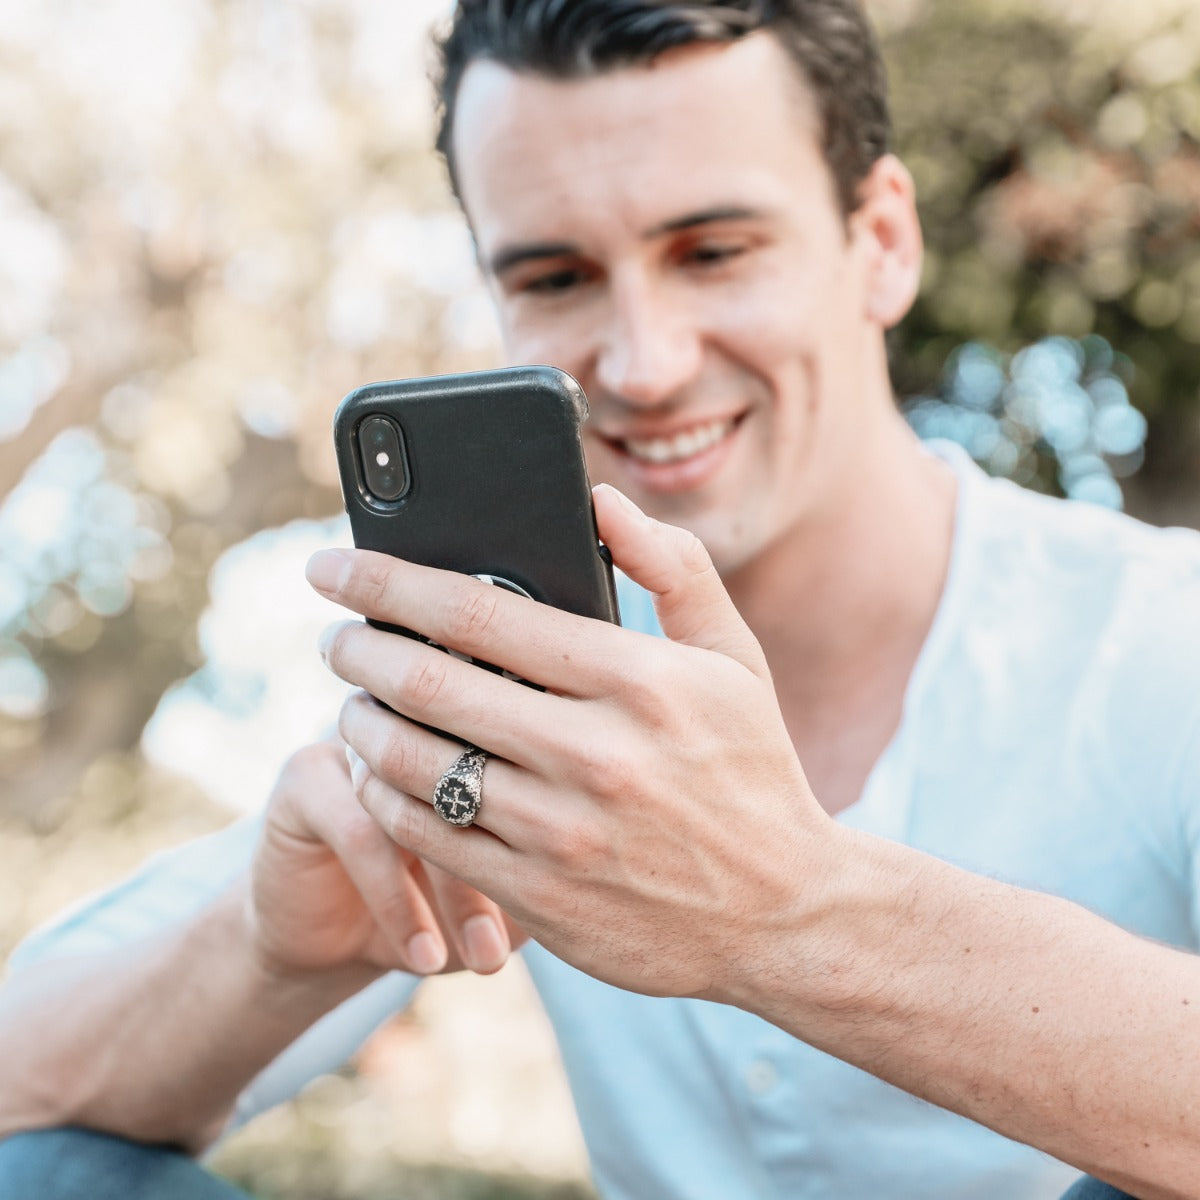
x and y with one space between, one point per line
170 887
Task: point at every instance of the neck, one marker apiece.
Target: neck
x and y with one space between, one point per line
842 604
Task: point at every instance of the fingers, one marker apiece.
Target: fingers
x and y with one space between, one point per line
420 907
420 914
328 819
385 877
692 604
532 641
413 759
428 685
475 924
469 854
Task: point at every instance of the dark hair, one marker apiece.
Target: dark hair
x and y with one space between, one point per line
830 41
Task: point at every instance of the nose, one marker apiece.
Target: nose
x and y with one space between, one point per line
649 347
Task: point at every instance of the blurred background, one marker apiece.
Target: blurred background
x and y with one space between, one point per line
217 218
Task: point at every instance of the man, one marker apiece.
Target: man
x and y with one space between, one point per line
692 209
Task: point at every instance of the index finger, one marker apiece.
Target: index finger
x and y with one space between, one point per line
533 641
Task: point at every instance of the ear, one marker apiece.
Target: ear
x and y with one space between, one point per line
886 227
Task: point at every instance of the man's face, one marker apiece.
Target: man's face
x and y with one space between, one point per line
670 236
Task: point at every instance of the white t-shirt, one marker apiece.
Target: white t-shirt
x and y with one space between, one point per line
1050 738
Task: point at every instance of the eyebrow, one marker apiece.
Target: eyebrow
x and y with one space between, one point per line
508 257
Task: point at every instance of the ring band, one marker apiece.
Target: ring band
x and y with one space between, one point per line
458 794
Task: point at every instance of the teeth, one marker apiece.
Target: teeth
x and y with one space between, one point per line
682 445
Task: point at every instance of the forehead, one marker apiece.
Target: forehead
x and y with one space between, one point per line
696 128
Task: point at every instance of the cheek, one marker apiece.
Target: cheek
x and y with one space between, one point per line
768 323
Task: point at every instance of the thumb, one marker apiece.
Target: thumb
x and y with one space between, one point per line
691 601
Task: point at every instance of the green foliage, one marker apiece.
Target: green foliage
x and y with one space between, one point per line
1058 178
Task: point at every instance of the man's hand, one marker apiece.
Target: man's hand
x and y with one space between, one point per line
647 820
330 889
640 815
155 1037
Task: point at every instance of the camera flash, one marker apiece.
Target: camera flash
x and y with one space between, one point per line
382 459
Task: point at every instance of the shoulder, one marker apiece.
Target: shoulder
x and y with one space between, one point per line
1101 569
1110 606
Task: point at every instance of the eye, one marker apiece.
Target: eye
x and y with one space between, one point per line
550 282
711 253
548 277
715 253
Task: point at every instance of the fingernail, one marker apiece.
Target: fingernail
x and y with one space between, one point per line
328 636
625 502
426 955
328 570
358 769
325 640
484 946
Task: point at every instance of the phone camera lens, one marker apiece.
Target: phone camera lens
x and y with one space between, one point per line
381 455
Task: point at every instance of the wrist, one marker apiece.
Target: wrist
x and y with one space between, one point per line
273 979
820 954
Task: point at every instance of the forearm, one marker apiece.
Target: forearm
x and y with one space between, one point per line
1017 1009
155 1040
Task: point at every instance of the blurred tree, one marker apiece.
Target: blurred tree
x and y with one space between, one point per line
1058 174
222 218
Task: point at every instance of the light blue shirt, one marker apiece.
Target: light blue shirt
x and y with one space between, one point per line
1050 737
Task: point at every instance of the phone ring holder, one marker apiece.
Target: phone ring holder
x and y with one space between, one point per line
508 585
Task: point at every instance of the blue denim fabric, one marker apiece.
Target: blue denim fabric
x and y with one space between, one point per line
79 1164
1093 1189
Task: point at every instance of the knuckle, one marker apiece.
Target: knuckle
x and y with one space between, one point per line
594 765
692 553
370 581
356 833
618 781
651 692
303 762
427 680
647 685
397 761
408 824
470 615
302 767
397 910
579 847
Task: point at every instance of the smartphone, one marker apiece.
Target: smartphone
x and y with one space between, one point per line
481 473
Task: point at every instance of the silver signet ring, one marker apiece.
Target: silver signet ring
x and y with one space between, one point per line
458 794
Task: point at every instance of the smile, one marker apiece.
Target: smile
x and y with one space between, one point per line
679 446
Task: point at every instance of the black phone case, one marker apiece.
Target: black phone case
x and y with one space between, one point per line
496 482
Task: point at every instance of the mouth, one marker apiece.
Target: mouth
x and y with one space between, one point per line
677 447
679 461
